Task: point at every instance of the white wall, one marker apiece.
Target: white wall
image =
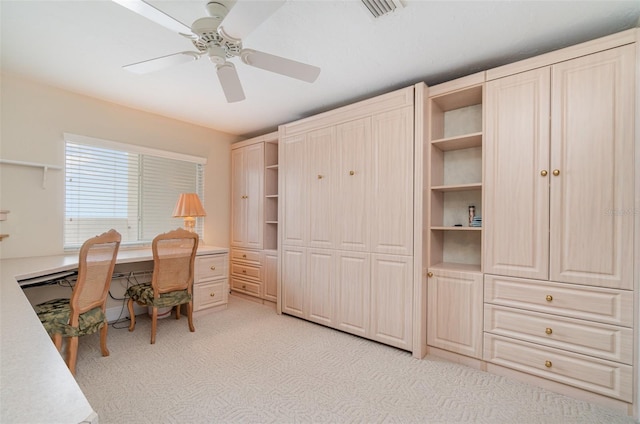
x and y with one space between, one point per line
33 118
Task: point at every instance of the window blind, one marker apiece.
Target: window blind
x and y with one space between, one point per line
132 192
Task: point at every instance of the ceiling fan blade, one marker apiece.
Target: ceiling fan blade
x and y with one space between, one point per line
156 15
280 65
245 16
230 82
163 62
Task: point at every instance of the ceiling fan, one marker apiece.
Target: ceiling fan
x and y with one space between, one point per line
221 42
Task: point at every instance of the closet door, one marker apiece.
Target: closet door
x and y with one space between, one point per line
293 281
516 181
392 182
353 292
254 200
293 190
592 171
321 286
353 151
238 204
321 145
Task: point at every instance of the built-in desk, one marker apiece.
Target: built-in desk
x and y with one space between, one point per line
35 384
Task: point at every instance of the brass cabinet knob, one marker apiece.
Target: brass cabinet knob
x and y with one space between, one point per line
548 364
212 294
352 172
429 274
244 271
548 330
213 268
549 298
556 172
244 286
244 256
543 172
320 176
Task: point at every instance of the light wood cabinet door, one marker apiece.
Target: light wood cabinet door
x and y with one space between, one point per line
455 312
320 286
293 281
591 215
392 182
322 184
293 190
353 292
516 181
247 191
391 300
271 277
352 170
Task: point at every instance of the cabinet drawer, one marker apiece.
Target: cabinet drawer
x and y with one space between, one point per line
246 271
245 286
604 305
590 338
596 375
210 294
210 267
250 256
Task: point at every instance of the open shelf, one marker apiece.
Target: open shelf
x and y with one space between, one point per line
457 187
456 228
452 266
458 142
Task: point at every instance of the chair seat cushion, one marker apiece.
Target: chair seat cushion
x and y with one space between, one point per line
143 294
54 316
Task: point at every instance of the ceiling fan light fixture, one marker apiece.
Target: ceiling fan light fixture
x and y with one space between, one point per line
380 8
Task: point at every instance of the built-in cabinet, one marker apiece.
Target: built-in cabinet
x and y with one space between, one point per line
347 188
254 217
564 134
210 282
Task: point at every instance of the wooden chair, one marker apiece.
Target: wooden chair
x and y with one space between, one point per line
174 255
84 313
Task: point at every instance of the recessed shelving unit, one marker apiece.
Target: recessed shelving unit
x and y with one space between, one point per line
455 179
271 194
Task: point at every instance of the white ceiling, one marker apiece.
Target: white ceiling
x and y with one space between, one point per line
81 45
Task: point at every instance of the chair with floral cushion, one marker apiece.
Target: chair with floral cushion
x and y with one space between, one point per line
84 313
174 255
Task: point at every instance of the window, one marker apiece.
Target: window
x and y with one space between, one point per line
129 188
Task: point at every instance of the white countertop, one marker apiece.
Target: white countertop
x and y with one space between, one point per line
35 384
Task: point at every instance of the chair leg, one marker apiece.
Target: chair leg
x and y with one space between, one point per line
178 307
154 324
190 316
72 354
132 315
103 339
57 341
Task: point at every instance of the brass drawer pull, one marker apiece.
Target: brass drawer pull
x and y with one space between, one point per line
320 176
429 274
244 271
213 268
244 256
244 286
548 364
549 298
352 172
212 294
548 330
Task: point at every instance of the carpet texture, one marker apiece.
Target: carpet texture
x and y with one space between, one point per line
246 364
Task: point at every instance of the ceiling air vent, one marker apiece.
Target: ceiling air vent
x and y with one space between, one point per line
382 7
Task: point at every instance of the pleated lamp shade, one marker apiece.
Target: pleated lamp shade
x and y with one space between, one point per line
189 207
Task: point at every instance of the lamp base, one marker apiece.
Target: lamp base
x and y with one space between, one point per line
190 224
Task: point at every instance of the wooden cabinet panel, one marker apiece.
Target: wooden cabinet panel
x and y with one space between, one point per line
391 300
352 171
584 302
322 187
455 311
587 337
238 205
516 202
605 377
247 193
210 283
242 270
293 190
209 295
293 281
592 151
392 182
353 292
320 286
271 277
248 256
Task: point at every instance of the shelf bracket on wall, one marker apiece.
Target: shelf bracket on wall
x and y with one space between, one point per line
45 168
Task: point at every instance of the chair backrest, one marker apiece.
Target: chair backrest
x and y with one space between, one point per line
174 255
95 269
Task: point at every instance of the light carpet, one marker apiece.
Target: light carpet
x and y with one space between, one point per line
246 364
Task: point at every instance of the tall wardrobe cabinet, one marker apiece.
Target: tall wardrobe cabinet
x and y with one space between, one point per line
254 217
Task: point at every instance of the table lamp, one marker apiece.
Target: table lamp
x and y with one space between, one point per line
189 207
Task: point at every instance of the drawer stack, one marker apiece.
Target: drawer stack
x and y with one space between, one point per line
573 334
247 272
210 284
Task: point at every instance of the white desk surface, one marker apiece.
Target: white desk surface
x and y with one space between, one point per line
35 384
